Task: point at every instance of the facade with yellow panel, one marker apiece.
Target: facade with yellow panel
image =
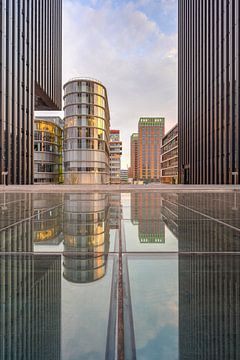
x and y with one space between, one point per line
86 132
48 141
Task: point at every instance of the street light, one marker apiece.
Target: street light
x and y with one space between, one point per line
4 173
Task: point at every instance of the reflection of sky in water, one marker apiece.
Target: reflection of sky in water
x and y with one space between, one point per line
85 311
169 242
155 310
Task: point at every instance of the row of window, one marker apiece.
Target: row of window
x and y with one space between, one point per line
170 145
45 136
83 98
170 154
48 168
85 110
84 132
47 127
171 135
84 169
85 144
80 217
170 172
84 121
173 162
39 146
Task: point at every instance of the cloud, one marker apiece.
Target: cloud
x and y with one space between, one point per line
119 43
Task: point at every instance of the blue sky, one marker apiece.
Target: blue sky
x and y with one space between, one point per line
131 46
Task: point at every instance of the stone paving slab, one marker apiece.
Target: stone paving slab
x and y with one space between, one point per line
119 188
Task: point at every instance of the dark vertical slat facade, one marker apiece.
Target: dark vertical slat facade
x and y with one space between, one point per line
209 91
21 60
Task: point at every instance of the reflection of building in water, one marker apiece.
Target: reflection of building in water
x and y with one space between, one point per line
209 299
30 307
170 212
18 237
200 233
115 210
47 223
86 236
146 212
191 219
209 307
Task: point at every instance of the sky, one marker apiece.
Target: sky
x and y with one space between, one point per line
131 47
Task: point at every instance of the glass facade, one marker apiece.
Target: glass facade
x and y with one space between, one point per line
209 88
86 133
48 141
169 157
30 62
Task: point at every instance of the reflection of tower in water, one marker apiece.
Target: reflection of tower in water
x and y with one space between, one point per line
30 307
209 300
146 212
86 236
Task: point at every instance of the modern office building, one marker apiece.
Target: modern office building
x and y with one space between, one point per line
48 149
134 156
115 156
209 88
169 157
86 132
151 131
30 79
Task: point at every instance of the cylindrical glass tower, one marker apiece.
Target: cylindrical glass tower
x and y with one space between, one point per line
86 236
86 132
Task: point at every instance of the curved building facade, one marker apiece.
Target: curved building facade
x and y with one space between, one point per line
86 132
48 150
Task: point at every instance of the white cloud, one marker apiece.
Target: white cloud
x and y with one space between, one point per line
126 50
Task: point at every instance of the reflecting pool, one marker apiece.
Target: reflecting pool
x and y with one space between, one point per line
141 275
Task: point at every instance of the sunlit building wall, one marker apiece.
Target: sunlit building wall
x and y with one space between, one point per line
115 156
150 135
169 157
48 150
86 132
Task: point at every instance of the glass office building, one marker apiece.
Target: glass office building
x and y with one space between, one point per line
30 79
209 88
48 140
86 132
